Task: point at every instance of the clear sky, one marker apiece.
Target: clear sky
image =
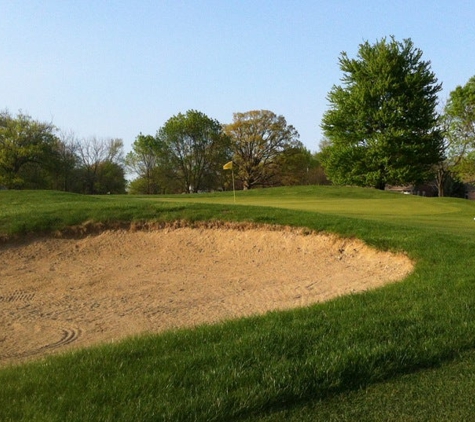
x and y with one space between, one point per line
117 68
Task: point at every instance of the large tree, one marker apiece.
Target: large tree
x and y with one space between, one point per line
382 124
196 148
259 138
26 150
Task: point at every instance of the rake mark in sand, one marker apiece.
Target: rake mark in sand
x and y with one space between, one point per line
58 293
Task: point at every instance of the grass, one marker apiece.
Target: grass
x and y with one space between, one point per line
402 352
359 203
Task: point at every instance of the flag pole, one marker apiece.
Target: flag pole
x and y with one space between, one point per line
234 190
229 166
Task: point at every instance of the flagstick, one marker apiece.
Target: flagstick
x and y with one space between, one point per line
229 166
234 190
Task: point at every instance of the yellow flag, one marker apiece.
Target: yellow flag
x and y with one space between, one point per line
228 166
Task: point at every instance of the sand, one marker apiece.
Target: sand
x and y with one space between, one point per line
59 293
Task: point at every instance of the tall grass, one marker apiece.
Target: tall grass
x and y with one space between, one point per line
339 360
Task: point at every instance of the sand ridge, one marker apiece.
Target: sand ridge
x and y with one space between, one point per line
60 293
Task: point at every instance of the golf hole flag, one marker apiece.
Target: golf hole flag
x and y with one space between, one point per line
229 166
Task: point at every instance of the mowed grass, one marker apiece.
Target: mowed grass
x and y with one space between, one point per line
402 352
368 204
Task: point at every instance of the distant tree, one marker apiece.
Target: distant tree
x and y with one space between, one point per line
110 178
381 125
195 148
315 172
259 138
98 162
458 122
143 160
296 166
26 150
138 186
63 170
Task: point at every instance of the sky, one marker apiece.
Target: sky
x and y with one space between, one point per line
115 69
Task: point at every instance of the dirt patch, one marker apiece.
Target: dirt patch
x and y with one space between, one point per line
59 293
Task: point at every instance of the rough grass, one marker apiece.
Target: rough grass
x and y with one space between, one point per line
371 356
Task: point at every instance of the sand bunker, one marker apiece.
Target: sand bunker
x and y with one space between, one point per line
58 293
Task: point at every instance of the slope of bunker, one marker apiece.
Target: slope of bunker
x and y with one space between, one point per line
59 293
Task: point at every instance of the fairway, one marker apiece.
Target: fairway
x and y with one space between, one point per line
367 204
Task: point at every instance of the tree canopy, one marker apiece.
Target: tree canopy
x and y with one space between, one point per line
381 125
26 147
143 161
196 148
34 155
258 138
459 124
100 166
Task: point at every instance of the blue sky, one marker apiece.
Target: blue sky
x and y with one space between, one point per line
118 68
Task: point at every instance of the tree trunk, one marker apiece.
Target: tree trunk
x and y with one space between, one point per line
441 178
440 190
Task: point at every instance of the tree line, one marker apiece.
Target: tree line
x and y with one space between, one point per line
35 155
384 126
188 152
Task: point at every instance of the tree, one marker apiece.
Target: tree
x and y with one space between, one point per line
110 178
298 166
143 160
65 161
458 121
258 138
381 124
98 162
196 148
26 149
